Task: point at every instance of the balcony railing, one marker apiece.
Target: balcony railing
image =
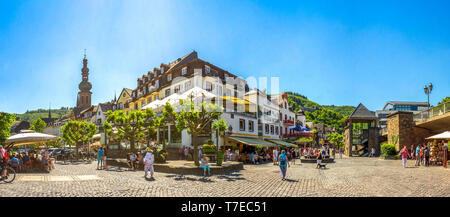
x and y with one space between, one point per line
298 134
288 122
432 112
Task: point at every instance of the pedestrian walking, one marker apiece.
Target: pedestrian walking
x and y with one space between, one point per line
340 153
148 162
427 156
418 155
99 158
404 154
284 163
372 153
275 156
319 157
104 158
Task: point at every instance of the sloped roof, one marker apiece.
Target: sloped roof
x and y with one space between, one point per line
361 112
106 106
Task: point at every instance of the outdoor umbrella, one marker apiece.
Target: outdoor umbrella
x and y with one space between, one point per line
445 135
26 137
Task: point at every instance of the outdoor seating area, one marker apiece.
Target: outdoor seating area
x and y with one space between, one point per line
31 162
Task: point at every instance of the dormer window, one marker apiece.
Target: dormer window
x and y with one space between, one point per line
162 70
169 77
207 69
184 70
157 83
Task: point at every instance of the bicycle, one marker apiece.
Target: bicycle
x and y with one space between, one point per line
10 174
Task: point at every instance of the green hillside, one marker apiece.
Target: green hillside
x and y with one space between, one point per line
331 116
31 116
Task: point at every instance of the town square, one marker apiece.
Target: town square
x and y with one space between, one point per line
211 99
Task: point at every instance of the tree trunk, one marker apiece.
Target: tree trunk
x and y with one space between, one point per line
195 155
132 145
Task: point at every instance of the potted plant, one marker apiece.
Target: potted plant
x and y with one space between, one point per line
220 157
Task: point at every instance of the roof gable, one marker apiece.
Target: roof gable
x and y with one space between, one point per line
361 112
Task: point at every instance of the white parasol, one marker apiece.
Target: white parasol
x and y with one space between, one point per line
445 135
26 137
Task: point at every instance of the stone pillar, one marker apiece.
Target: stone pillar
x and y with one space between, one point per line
400 129
348 134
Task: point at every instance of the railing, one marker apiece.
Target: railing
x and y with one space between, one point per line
288 122
298 134
432 112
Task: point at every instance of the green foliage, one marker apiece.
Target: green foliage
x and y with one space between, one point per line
132 127
209 148
220 125
196 119
328 117
31 116
388 149
331 116
344 110
444 100
6 121
304 140
38 125
336 139
78 132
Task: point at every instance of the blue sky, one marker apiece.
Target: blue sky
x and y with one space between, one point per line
334 52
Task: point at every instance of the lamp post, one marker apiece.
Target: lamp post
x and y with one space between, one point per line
427 90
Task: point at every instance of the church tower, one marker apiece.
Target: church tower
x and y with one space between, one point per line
84 95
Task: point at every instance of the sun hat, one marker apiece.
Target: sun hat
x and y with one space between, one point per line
149 150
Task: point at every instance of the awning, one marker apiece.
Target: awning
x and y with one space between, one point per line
445 135
27 137
252 141
283 143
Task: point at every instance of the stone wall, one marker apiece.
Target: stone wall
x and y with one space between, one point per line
401 128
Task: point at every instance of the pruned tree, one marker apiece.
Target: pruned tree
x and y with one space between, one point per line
78 133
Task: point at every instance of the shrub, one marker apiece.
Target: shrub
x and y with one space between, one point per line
209 148
388 149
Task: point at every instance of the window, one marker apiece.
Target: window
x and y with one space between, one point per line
276 130
167 92
149 100
157 83
232 116
266 126
156 97
169 77
120 106
162 70
123 95
251 126
184 70
187 85
208 86
271 129
207 69
241 124
177 89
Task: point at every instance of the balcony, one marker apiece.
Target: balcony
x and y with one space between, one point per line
288 122
298 134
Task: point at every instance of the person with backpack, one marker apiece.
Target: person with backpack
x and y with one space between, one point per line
284 163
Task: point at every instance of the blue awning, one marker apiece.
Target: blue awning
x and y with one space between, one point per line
301 129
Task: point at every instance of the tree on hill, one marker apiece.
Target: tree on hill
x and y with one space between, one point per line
38 125
6 121
328 117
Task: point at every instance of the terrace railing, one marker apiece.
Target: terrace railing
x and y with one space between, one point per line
432 112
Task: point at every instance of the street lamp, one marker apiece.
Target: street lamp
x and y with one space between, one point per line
427 90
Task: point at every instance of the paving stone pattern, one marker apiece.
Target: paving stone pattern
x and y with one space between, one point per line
347 177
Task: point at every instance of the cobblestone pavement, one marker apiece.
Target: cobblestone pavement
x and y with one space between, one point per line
346 177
